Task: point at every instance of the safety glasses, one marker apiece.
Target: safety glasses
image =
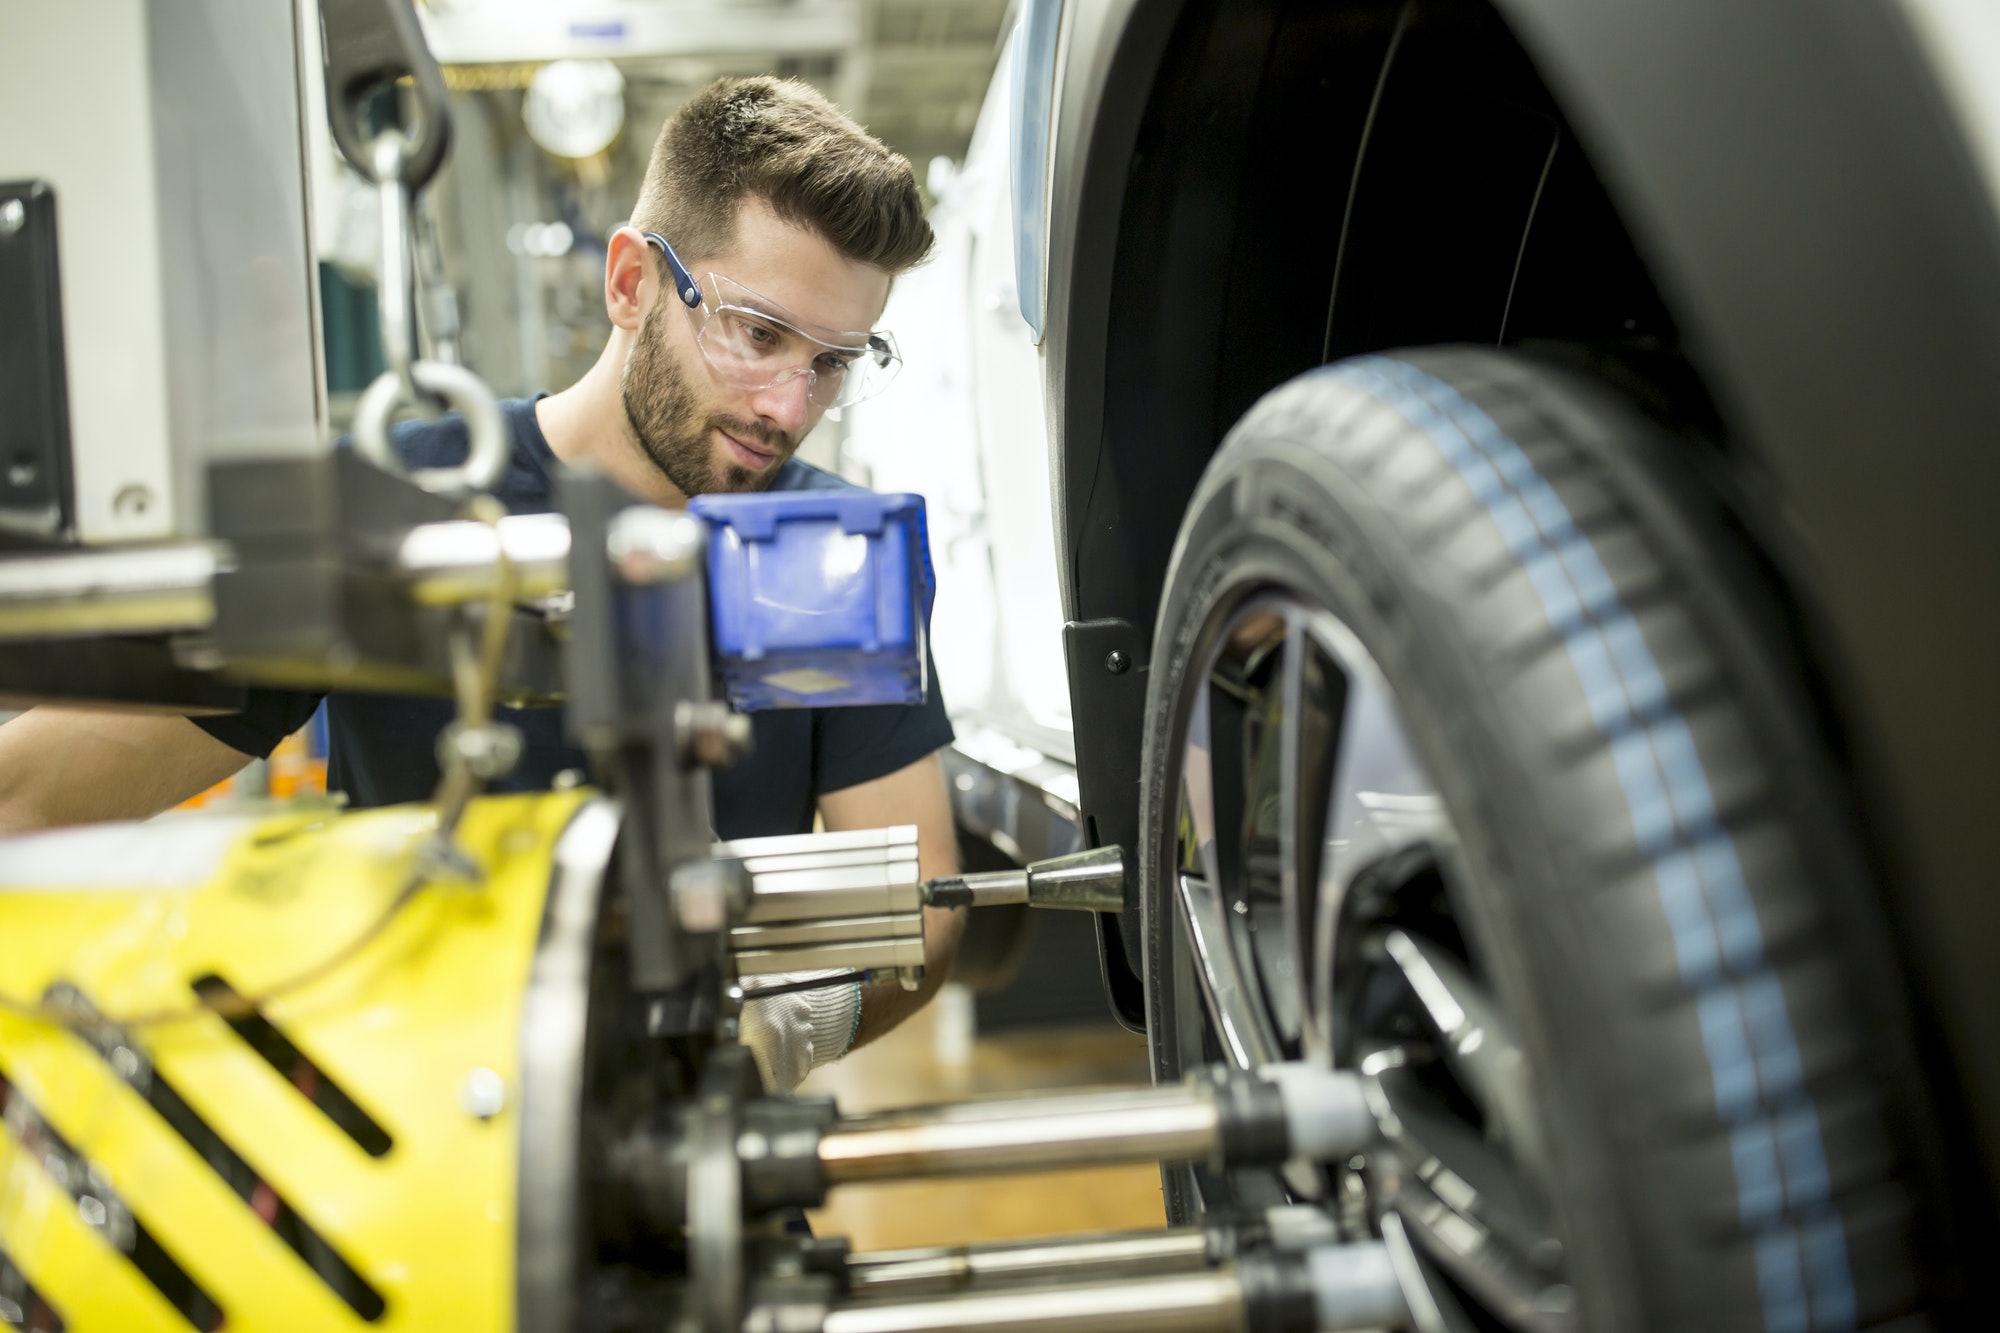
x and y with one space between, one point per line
752 342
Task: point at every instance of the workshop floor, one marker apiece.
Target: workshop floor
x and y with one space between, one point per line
929 1059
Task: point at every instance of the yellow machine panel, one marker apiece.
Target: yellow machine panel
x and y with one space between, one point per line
300 1110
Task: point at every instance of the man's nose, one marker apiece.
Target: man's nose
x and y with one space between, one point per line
786 404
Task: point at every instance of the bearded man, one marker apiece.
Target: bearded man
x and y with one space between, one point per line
743 299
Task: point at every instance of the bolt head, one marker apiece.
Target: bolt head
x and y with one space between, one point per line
13 216
482 1094
700 894
490 751
649 545
1117 662
710 734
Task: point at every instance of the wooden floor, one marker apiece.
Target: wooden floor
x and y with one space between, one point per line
927 1060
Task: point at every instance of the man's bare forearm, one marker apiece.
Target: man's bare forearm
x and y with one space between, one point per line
913 795
61 766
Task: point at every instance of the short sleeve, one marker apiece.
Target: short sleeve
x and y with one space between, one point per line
856 745
268 717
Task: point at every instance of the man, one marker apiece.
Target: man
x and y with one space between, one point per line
767 225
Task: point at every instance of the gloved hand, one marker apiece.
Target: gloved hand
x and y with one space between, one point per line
791 1035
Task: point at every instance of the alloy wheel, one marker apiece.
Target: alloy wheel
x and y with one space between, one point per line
1313 900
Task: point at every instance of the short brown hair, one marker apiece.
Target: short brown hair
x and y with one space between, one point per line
784 143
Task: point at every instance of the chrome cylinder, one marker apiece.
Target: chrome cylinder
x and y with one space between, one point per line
990 888
1090 881
1107 1256
121 590
1210 1302
1176 1124
458 561
870 872
863 942
829 900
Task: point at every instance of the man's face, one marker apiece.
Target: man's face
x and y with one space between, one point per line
706 436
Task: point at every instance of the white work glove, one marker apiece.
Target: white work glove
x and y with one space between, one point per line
791 1035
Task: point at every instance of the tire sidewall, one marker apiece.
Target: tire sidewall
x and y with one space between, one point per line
1272 513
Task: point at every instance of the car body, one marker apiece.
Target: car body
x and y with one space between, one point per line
1775 227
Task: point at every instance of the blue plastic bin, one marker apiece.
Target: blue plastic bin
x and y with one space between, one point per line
818 599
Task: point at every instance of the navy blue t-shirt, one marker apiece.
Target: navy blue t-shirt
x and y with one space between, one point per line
382 746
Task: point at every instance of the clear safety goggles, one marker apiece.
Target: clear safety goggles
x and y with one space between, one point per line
753 343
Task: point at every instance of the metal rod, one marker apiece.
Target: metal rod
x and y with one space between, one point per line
1090 881
127 590
991 888
1210 1302
833 930
1176 1124
1104 1256
454 562
796 844
886 889
864 955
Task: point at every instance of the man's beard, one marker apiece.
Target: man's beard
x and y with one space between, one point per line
670 426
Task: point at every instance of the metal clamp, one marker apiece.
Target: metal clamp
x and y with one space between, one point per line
395 282
1087 881
484 462
408 382
370 44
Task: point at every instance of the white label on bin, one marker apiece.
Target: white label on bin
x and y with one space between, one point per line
806 680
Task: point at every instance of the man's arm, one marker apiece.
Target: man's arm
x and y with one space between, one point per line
78 766
912 795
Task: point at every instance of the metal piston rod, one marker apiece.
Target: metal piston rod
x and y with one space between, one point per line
1096 1257
1037 1134
939 1270
1320 1289
1211 1302
1290 1111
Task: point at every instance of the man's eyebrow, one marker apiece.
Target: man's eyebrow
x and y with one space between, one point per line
768 309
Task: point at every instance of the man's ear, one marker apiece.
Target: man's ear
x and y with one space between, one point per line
629 272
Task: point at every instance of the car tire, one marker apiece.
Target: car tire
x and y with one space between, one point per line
1649 872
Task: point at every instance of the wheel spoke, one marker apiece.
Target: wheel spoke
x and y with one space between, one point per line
1197 821
1478 1043
1468 1172
1221 787
1311 695
1433 1309
1482 1268
1311 840
1461 1223
1380 805
1239 1021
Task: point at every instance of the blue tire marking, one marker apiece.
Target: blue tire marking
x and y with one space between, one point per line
1784 1190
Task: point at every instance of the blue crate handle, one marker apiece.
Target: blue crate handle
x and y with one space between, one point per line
774 652
755 518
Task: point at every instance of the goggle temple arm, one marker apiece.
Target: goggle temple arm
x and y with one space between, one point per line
685 286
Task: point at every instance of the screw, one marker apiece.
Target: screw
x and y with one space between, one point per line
490 751
22 474
482 1094
132 500
13 215
703 892
710 734
1116 662
649 545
